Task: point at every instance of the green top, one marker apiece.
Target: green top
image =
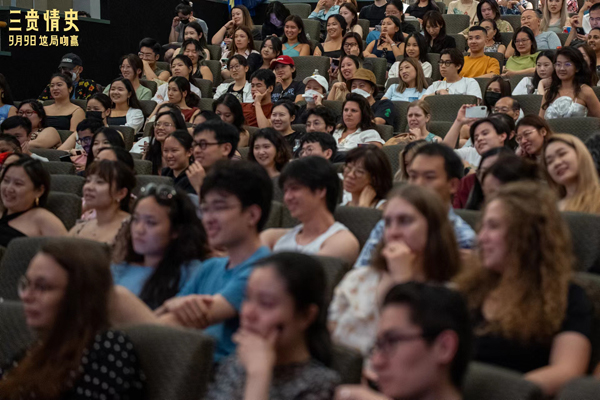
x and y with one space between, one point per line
519 63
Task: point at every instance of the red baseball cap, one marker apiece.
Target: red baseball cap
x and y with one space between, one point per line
285 60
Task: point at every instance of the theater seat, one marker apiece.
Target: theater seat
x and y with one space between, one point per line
64 135
360 220
514 20
50 154
471 217
306 66
300 9
128 133
530 103
445 108
440 128
582 127
59 167
67 184
488 382
147 107
206 88
153 86
142 167
392 153
586 388
177 362
66 206
456 23
461 42
585 236
312 27
335 269
14 332
215 51
348 363
379 68
591 284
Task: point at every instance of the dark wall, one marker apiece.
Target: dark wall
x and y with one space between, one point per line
101 45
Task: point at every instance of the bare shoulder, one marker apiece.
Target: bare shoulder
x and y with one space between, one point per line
270 236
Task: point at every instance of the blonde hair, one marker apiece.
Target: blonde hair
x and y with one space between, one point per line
587 197
545 24
420 81
533 289
410 147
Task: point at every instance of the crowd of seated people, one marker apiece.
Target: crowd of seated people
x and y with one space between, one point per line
302 153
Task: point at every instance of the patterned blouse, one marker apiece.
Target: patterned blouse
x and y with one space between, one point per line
109 369
354 310
83 91
301 381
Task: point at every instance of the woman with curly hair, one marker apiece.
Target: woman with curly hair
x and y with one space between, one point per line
528 316
572 174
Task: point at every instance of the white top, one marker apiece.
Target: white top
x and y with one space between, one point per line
585 24
161 93
247 94
354 309
409 94
134 119
288 241
138 146
40 158
522 87
464 86
359 137
427 70
469 154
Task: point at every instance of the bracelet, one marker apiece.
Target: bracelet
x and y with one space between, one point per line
394 45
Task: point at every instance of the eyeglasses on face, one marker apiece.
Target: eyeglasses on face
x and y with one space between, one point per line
446 63
203 144
161 191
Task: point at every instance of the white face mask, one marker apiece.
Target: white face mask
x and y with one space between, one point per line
74 76
309 94
361 92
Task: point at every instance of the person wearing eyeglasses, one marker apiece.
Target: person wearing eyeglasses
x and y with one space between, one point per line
42 135
235 205
419 359
417 234
68 278
524 60
72 66
132 68
213 141
367 177
149 53
451 64
570 94
544 39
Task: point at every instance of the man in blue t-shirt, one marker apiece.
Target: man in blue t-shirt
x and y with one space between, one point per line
235 205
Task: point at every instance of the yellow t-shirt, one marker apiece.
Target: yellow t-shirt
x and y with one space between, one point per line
475 67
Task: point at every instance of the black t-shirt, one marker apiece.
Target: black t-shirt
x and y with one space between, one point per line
407 28
419 12
384 109
525 357
293 140
447 42
268 29
181 182
373 13
290 93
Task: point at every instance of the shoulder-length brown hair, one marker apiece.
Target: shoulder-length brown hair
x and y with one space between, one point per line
232 47
441 257
534 287
586 199
420 81
83 313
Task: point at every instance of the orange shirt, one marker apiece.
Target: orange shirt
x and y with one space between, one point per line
250 112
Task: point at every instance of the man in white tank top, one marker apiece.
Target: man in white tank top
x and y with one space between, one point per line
311 189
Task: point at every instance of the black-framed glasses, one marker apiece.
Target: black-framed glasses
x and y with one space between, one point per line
446 63
203 144
161 191
84 140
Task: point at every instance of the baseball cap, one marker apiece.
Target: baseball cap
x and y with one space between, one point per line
285 60
319 79
70 60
